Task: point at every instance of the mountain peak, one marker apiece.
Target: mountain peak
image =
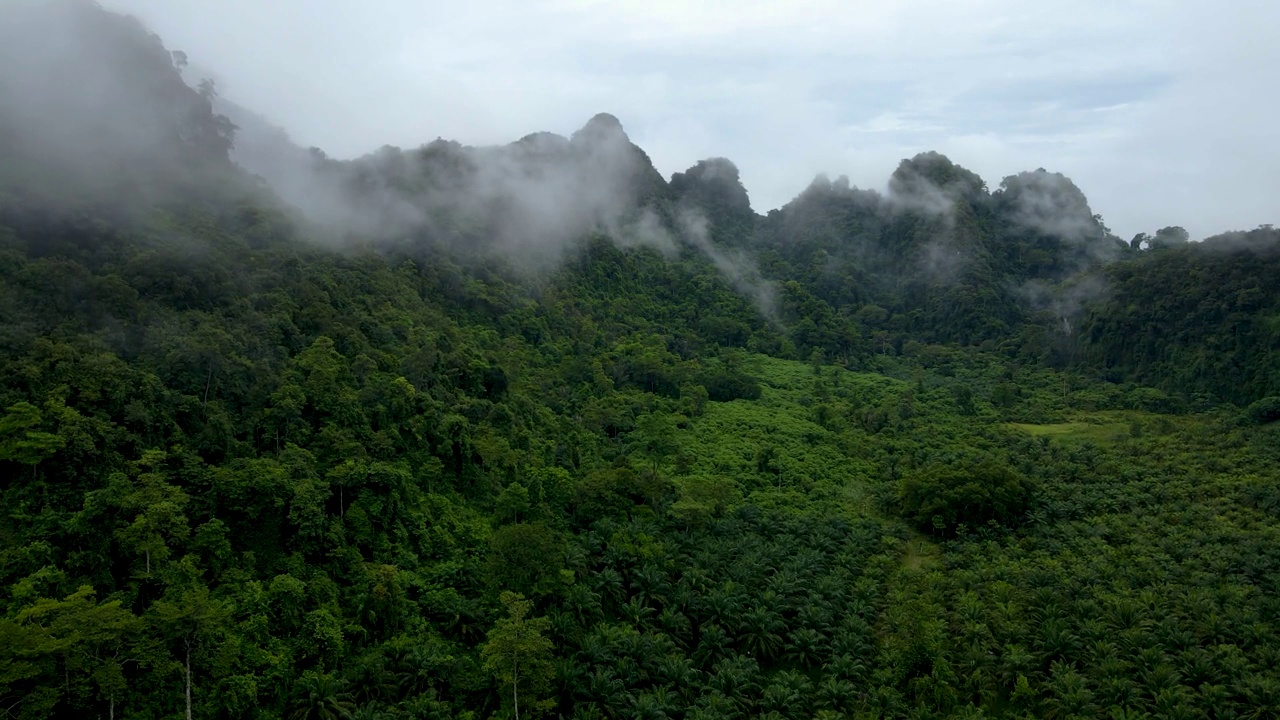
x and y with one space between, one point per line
601 127
929 172
715 185
605 120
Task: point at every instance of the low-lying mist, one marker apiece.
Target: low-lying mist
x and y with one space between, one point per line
91 99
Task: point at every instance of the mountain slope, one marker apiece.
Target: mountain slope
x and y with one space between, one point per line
530 421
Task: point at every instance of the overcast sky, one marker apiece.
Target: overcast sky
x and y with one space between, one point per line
1165 112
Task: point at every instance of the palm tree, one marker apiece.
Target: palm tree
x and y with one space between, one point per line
1124 713
737 677
587 711
838 695
847 667
584 603
788 694
1069 693
885 701
713 706
608 582
1263 695
679 672
636 612
853 638
676 625
1015 661
650 584
721 605
372 678
806 647
320 696
569 677
604 687
815 615
647 707
712 645
762 630
1056 639
368 712
1118 690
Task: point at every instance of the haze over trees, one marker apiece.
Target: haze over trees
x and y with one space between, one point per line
471 432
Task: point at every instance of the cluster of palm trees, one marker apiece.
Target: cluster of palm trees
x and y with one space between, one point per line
752 616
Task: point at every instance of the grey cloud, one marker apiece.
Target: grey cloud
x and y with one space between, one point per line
91 105
738 268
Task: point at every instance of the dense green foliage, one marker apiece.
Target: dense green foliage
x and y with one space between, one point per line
903 468
1266 410
1196 318
941 499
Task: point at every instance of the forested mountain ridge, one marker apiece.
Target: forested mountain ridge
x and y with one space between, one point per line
427 432
1200 318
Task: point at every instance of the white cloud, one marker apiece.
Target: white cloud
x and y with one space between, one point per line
1159 109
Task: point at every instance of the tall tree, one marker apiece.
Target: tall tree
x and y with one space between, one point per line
518 652
191 617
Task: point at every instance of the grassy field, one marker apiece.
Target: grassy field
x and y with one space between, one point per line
1108 427
1077 432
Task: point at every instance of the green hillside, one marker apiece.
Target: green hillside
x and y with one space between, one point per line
652 455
